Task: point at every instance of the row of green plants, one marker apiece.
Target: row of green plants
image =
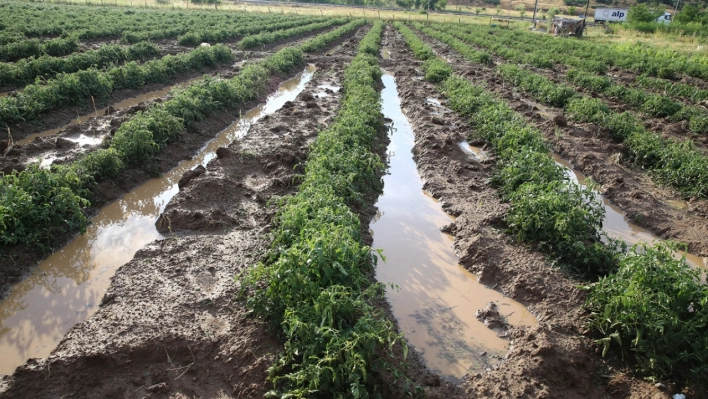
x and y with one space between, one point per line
21 20
216 34
461 47
315 284
321 41
78 87
191 35
38 205
38 47
29 69
545 50
261 39
648 307
679 90
501 46
655 105
679 164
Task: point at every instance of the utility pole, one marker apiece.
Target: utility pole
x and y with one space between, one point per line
535 7
585 16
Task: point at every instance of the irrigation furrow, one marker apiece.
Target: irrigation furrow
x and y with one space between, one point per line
179 291
460 181
592 152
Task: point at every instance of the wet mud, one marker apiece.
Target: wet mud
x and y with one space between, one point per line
169 324
82 268
554 359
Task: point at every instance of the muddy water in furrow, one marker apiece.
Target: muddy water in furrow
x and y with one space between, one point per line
616 224
128 102
66 288
436 301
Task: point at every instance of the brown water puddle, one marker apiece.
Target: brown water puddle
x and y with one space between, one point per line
66 288
437 299
385 53
129 102
474 151
617 225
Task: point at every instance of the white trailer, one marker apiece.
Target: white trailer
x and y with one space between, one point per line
611 14
620 15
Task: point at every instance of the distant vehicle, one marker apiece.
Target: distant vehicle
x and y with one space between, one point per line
620 15
664 19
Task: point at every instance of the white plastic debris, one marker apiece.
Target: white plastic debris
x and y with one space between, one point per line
679 396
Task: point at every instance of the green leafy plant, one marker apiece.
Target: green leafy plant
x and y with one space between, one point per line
654 313
315 282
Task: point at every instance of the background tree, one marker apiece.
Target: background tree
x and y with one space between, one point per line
521 8
641 13
553 12
689 13
571 10
405 3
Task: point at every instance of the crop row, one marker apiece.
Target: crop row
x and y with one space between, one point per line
190 35
502 46
596 57
654 309
264 38
215 34
652 104
318 287
27 70
22 20
78 87
676 163
683 91
320 41
37 48
38 205
461 47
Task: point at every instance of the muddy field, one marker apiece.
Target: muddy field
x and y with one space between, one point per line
170 324
63 143
194 339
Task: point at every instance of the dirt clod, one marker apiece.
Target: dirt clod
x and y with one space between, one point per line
188 176
223 152
560 121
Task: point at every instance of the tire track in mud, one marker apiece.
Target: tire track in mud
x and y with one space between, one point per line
20 260
170 325
593 152
553 359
